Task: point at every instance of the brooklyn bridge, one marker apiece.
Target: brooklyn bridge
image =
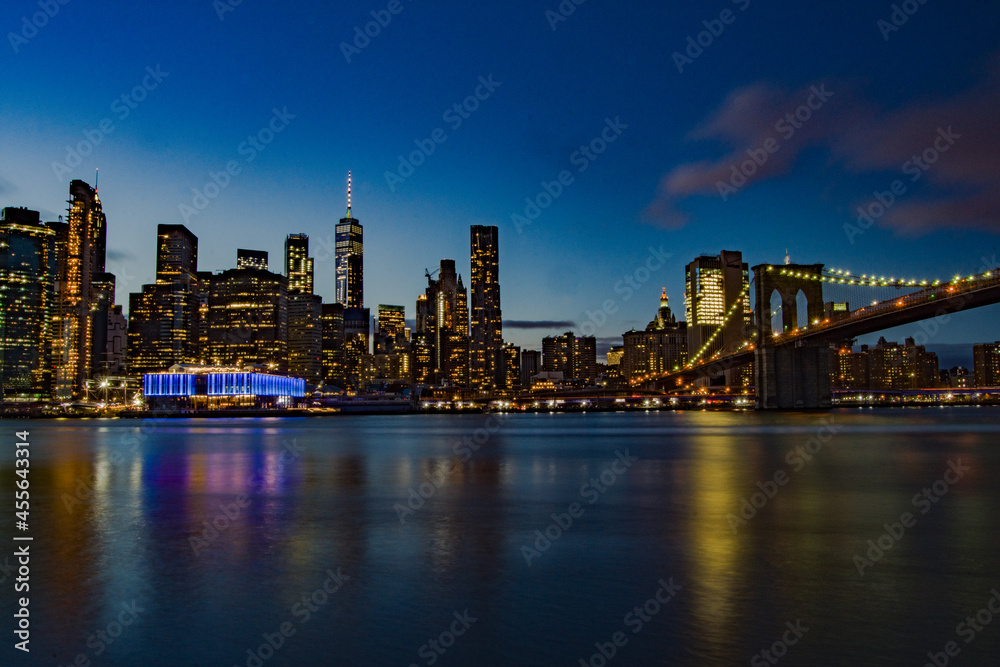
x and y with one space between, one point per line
785 336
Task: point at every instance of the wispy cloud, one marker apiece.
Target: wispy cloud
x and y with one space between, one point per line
860 138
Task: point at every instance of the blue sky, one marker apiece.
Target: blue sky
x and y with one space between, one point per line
219 81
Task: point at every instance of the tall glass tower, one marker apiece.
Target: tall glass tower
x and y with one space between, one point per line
486 343
350 258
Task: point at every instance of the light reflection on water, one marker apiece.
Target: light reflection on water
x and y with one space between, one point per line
124 511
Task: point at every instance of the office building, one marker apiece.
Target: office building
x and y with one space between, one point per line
27 301
332 319
350 263
305 337
573 356
298 264
248 319
165 318
251 259
511 355
486 362
986 364
443 318
82 282
660 349
531 364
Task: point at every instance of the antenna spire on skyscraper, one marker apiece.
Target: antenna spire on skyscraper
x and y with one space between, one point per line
348 194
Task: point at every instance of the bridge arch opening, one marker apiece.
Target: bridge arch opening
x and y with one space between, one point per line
801 309
777 312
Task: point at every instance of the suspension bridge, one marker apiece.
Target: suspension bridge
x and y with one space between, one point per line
799 310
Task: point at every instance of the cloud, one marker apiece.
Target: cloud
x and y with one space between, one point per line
119 256
538 324
859 138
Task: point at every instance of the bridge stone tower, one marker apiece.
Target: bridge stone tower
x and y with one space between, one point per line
790 374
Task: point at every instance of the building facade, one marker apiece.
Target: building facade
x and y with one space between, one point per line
486 361
660 349
27 300
248 319
986 364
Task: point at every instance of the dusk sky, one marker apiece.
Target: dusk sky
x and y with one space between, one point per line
215 75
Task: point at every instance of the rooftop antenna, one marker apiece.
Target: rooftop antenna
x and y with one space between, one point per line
97 177
788 257
348 194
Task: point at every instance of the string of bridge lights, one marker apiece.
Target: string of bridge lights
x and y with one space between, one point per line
844 277
725 320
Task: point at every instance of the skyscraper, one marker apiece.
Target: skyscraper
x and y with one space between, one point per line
251 259
248 319
86 251
486 360
305 311
165 318
305 337
332 319
443 319
661 348
573 356
298 264
27 277
986 364
714 285
350 288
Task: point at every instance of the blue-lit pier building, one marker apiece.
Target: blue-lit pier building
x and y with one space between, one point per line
186 387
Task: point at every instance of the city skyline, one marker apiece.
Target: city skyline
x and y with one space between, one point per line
523 133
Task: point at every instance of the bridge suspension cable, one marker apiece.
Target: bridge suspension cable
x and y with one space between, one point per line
737 305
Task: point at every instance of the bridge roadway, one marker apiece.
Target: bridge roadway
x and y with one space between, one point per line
931 302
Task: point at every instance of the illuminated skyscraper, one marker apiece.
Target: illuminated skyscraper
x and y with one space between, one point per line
712 286
486 360
573 356
305 328
986 364
78 295
27 277
248 319
443 320
661 348
298 264
332 319
251 259
165 318
350 287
